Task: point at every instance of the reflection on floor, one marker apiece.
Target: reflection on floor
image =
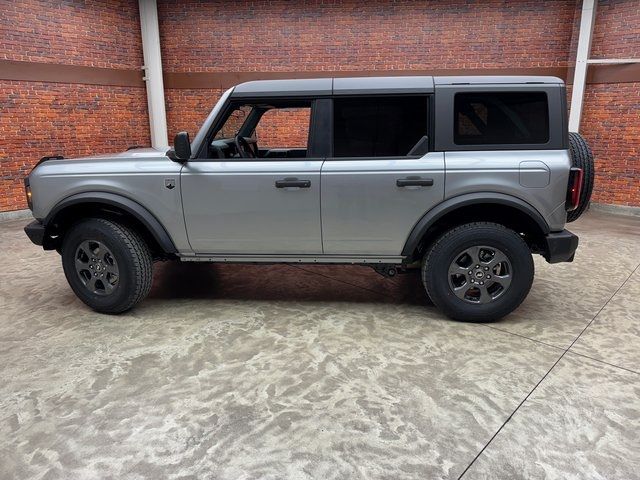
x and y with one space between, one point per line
293 371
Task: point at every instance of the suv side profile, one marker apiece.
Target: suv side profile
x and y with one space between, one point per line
462 177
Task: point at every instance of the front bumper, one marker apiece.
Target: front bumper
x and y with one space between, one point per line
35 231
560 246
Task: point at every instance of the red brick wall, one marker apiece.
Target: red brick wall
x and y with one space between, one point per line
611 112
284 128
287 36
281 35
42 118
53 118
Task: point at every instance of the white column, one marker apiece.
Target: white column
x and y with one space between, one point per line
153 72
582 57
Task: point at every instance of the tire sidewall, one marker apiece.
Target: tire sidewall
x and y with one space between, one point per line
436 273
95 230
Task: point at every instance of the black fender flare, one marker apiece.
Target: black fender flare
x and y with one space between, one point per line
140 213
451 204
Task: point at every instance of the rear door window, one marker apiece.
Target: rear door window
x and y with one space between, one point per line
380 126
488 118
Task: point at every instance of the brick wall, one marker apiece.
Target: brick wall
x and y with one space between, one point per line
284 36
43 118
280 35
611 112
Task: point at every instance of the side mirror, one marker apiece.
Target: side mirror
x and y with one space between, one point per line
181 151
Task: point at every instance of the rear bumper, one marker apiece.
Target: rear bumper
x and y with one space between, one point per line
560 246
35 232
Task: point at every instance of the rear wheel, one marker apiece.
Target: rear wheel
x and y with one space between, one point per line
478 272
108 266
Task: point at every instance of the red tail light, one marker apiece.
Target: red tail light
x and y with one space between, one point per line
574 189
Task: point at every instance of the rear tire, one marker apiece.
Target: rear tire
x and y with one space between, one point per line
478 272
581 157
108 265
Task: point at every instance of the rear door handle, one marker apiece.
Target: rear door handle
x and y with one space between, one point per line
414 182
293 182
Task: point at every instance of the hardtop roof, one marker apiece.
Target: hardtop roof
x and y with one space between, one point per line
376 85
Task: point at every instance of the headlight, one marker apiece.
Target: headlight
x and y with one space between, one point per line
27 191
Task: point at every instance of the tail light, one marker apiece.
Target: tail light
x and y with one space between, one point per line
574 189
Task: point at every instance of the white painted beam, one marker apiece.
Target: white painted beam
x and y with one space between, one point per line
612 61
153 72
582 57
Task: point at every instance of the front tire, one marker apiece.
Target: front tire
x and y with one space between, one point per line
108 265
478 272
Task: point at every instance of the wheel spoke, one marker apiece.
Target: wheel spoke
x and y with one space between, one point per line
474 253
113 269
503 280
461 291
455 269
499 257
108 286
485 296
91 283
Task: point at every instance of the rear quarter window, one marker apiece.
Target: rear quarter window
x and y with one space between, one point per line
494 118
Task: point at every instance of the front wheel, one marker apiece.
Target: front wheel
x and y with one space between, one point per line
478 272
108 265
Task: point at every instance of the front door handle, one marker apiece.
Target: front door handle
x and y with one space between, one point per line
293 182
414 182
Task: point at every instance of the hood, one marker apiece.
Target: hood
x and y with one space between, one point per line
136 153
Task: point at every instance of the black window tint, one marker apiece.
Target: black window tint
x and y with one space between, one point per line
501 118
379 126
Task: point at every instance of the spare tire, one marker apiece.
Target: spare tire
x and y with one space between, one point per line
581 157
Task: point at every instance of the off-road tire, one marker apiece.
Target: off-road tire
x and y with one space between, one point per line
444 251
134 261
581 157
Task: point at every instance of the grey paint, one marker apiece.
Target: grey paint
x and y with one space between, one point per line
111 200
234 207
499 171
534 174
353 208
136 174
365 212
273 88
452 204
495 80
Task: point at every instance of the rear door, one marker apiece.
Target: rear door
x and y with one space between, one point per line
381 178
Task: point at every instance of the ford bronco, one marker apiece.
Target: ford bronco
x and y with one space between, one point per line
462 177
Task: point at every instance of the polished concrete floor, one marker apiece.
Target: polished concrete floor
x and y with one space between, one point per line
299 372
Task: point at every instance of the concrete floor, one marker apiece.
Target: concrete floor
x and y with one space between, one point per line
322 372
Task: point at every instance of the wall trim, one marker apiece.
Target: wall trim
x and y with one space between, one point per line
78 74
75 74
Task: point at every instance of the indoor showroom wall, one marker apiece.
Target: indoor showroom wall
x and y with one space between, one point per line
71 79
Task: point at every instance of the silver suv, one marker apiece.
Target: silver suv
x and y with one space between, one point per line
462 177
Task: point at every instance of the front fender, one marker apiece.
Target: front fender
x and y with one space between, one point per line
140 213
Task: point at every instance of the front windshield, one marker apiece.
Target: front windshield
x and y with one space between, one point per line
234 122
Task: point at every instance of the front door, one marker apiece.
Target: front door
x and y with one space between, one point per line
258 190
381 178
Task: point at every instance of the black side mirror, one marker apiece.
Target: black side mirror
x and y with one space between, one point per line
181 151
